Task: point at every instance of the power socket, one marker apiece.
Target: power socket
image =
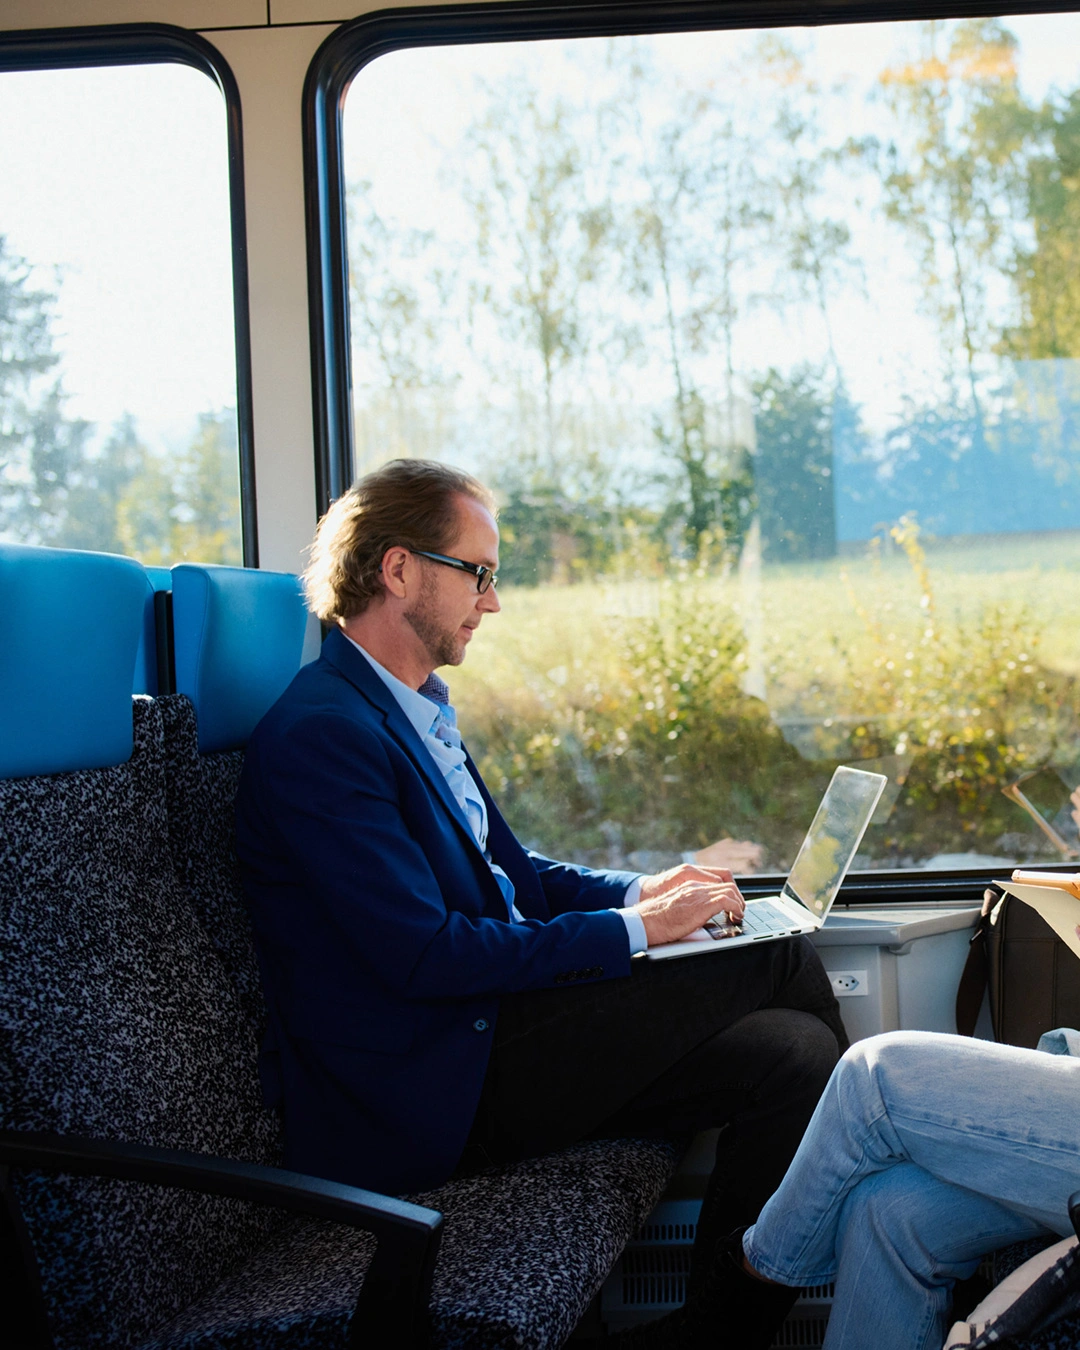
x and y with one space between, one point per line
849 983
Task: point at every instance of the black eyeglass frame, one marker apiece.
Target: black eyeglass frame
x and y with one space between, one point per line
485 577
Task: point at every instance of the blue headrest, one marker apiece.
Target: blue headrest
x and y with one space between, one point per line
146 671
69 631
238 635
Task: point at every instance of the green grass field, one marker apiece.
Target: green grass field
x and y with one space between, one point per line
647 715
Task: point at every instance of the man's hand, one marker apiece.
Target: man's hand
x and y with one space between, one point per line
673 903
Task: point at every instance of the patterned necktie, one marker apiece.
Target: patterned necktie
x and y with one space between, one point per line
435 689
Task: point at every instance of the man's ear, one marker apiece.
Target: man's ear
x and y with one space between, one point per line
393 569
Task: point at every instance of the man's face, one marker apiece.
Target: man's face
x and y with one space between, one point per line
448 608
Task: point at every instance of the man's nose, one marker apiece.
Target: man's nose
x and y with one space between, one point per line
489 603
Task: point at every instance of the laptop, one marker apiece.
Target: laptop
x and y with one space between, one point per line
813 882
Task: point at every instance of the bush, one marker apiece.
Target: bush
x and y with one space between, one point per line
655 749
610 719
967 701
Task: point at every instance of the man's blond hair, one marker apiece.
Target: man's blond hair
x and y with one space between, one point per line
411 503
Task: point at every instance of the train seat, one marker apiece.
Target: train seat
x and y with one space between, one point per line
138 1197
119 1021
70 624
524 1247
238 636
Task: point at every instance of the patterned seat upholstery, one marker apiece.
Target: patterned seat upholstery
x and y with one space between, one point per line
130 1010
200 791
524 1247
119 1022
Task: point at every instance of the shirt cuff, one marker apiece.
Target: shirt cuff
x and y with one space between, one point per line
635 924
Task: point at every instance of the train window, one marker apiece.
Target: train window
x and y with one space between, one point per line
118 377
768 342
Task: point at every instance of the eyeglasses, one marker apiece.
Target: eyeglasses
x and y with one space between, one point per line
485 577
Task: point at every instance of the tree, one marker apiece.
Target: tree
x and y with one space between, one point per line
207 487
1047 271
93 502
146 524
793 422
950 186
812 246
41 449
187 506
398 292
547 537
690 223
537 236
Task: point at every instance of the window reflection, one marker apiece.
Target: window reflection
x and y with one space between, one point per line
768 343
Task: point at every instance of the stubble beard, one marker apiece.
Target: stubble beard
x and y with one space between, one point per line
443 647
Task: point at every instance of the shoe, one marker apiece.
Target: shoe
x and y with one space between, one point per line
734 1307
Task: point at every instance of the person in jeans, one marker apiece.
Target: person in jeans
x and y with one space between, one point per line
925 1152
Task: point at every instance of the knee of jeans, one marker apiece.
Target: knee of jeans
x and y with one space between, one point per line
871 1068
885 1210
874 1051
893 1051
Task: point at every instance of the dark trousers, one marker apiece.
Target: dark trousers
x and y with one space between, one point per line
745 1040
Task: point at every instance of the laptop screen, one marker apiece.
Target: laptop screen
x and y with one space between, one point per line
833 839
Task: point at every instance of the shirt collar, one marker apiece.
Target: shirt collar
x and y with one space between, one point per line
422 712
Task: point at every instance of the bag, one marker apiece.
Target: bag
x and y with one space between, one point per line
1032 977
1034 1307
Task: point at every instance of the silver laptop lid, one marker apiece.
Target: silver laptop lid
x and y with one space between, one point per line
833 839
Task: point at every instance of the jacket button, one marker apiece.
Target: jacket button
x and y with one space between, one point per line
481 1024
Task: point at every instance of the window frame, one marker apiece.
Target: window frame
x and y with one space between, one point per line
356 44
164 44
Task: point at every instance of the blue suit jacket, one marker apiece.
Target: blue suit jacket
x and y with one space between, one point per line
382 935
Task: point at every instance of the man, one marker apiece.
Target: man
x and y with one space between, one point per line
439 998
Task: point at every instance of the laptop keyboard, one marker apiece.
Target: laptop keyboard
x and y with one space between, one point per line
760 917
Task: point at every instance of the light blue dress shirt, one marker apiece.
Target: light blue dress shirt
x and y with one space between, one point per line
435 722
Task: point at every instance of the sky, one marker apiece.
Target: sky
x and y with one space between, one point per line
113 185
887 344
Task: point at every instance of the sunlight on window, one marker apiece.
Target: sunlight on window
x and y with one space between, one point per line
769 344
117 360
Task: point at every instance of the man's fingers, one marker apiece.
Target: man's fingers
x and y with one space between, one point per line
729 901
673 904
683 909
708 897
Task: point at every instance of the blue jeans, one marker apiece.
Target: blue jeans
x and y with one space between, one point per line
925 1152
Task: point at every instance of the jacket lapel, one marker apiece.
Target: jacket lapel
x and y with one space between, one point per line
343 655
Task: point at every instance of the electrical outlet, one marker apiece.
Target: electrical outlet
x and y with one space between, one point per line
849 983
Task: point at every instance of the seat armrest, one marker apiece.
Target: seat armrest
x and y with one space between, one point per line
392 1308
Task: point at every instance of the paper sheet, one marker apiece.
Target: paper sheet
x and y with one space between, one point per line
1060 909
